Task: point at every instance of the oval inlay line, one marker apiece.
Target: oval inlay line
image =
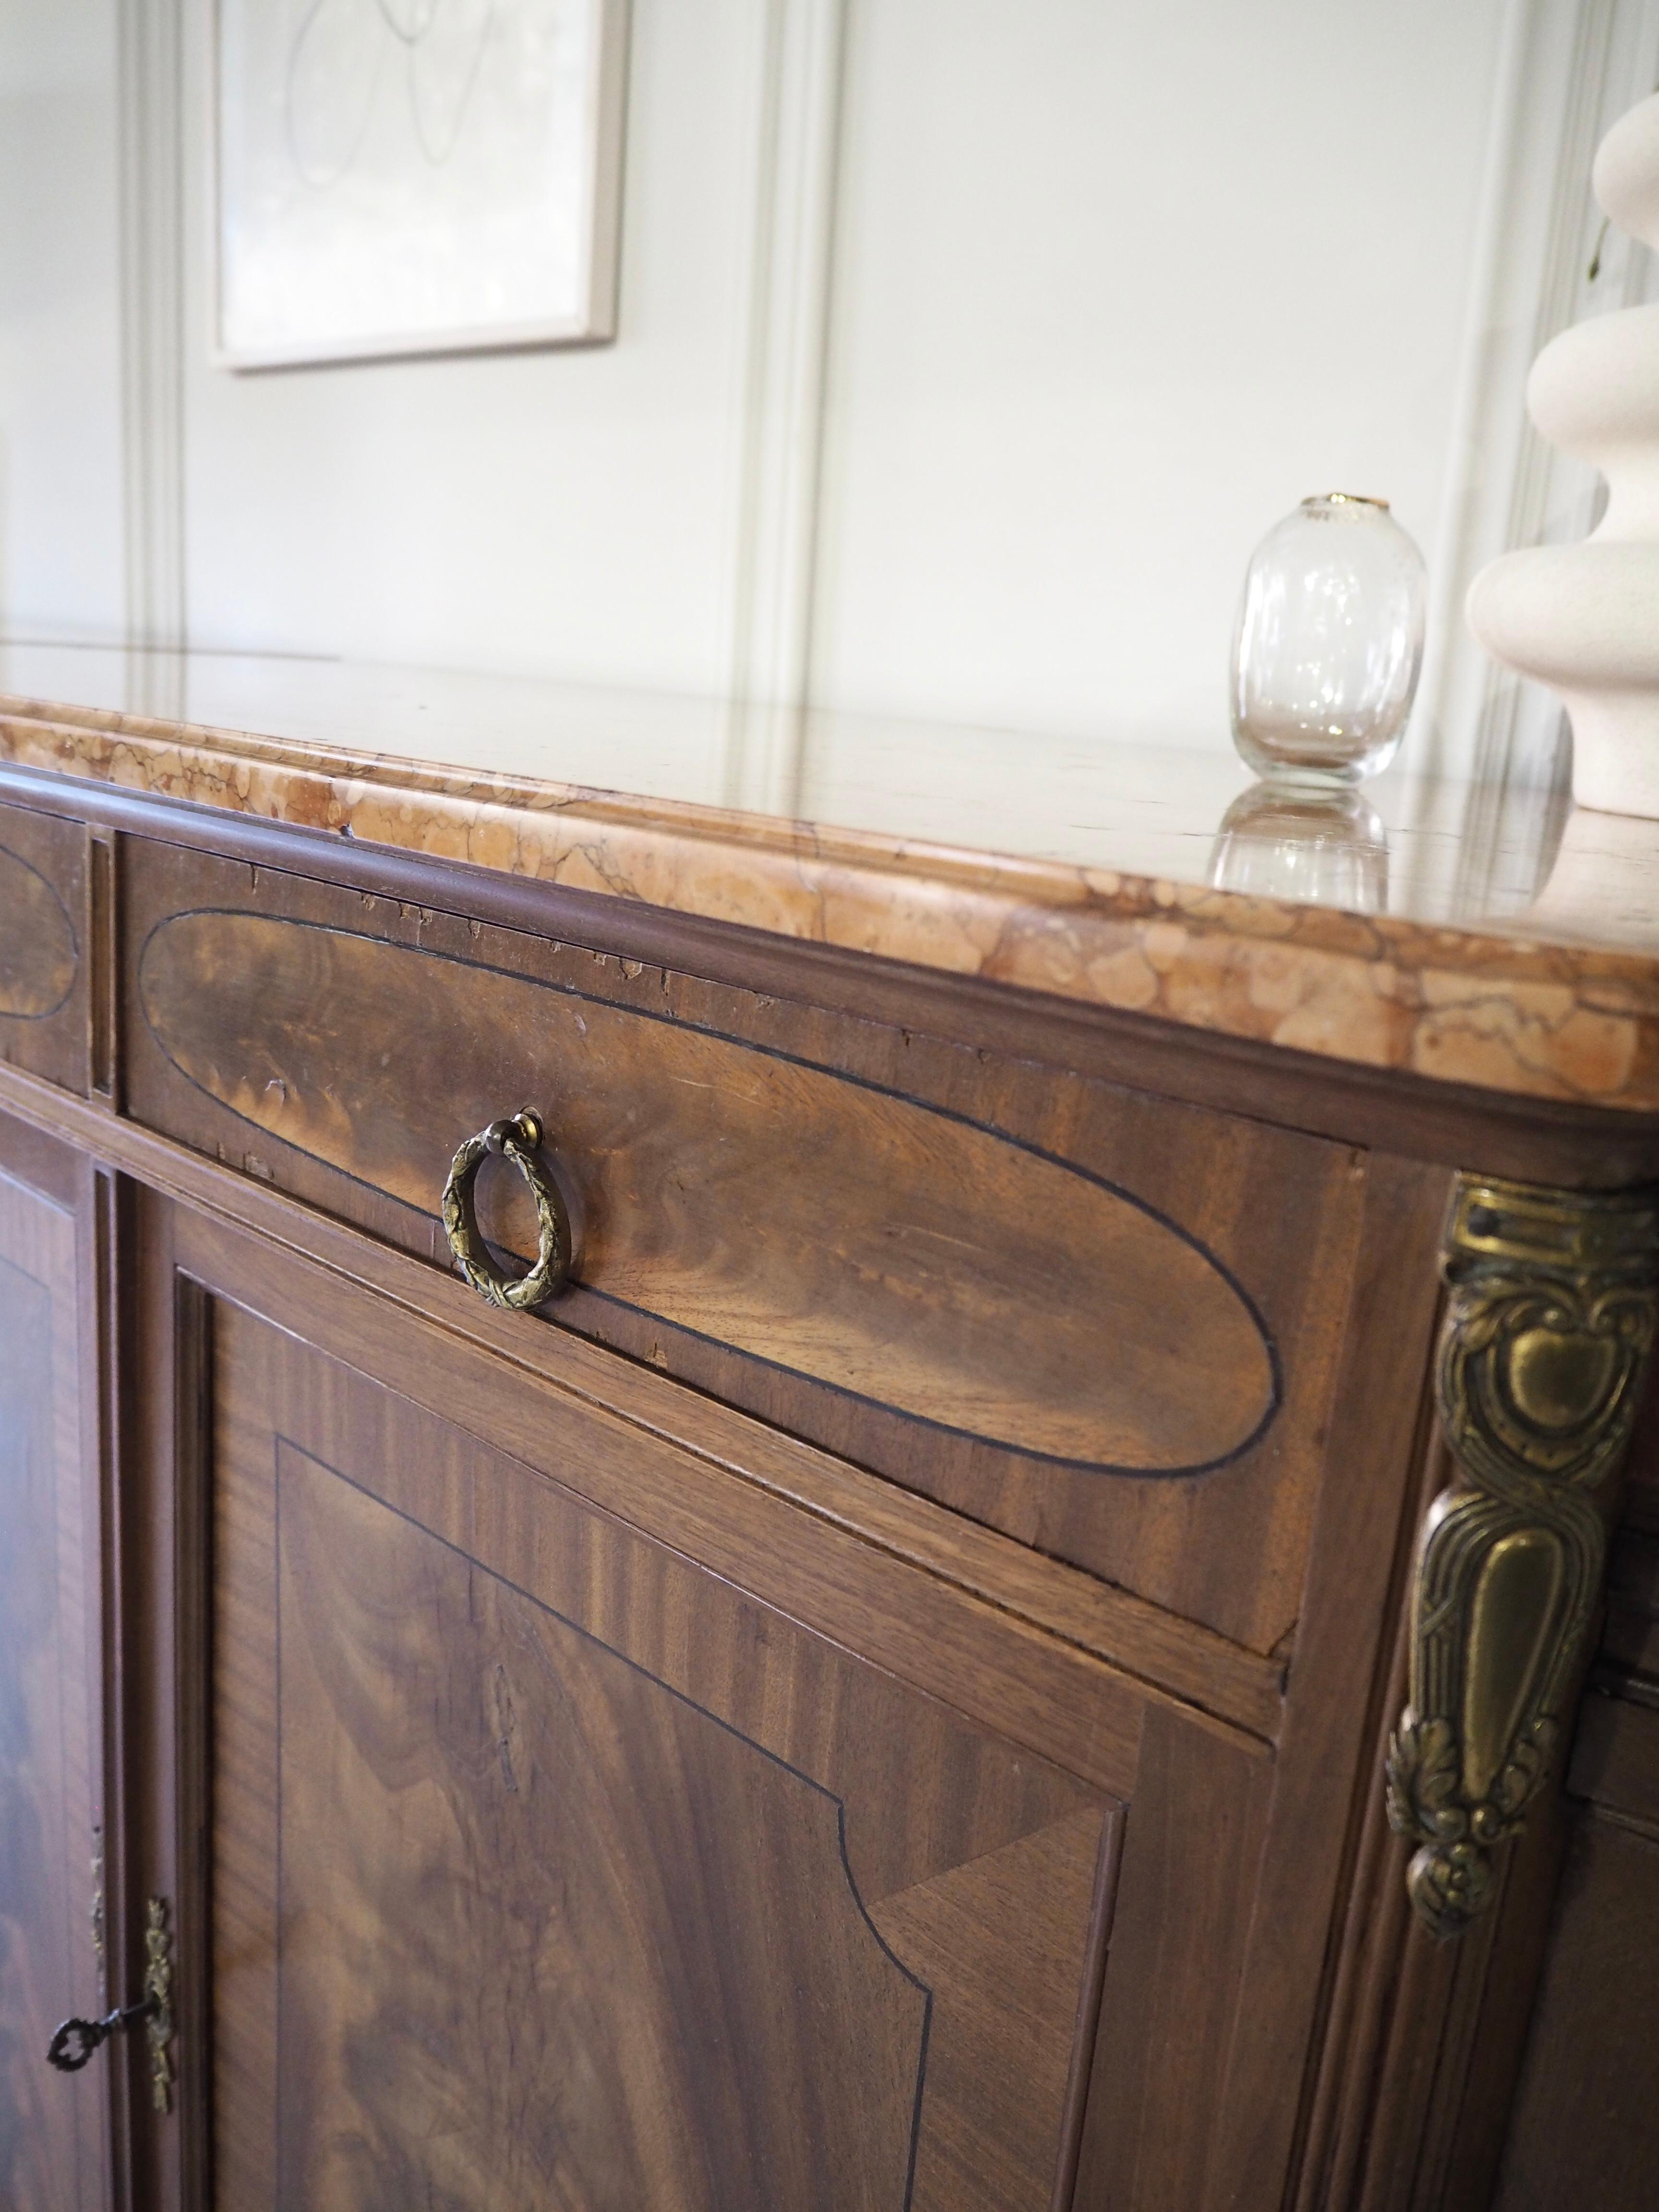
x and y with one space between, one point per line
37 943
845 1232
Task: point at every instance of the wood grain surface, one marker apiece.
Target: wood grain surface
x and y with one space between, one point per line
1326 1781
44 983
1561 1022
991 1660
1191 1868
1585 2127
321 1257
862 1700
904 1254
1630 1641
1448 1124
668 1904
37 943
860 1200
52 2152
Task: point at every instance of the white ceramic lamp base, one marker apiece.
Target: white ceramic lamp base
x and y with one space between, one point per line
1584 619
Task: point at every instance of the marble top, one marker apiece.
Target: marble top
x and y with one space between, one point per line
1426 926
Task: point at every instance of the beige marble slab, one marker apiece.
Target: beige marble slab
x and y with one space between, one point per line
1552 1015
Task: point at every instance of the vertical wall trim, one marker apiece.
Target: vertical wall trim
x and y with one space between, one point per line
793 249
1483 364
150 64
1568 68
1567 71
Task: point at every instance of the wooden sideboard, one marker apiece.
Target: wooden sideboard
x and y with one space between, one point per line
877 1693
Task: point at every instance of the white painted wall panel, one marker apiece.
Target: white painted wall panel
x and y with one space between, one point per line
566 513
1114 282
1116 286
60 378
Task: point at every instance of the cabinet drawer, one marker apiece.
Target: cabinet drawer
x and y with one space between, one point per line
1105 1323
45 990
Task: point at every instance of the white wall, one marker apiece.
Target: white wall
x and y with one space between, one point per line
1118 285
1111 286
564 512
60 371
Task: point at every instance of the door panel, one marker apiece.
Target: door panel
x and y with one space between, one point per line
51 2131
549 1869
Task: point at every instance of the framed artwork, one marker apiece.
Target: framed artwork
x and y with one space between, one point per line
415 176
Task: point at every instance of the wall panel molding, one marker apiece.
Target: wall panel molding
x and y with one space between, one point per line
1567 70
788 316
151 110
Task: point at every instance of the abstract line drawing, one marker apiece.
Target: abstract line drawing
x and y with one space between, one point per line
415 176
424 38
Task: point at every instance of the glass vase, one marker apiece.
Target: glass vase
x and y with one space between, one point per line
1329 643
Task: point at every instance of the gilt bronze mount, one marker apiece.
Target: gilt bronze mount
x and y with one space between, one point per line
158 1997
517 1140
75 2042
1549 1320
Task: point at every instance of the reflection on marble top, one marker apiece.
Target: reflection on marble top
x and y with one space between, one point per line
1509 944
1138 810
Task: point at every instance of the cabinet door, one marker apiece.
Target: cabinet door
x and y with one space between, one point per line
52 2136
547 1868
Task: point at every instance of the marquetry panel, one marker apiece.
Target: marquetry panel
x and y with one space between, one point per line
1106 1323
52 2156
44 958
548 1868
978 1305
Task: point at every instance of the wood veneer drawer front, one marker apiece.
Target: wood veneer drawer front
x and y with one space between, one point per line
44 957
1107 1324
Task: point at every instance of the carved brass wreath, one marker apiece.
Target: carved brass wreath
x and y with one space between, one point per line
1549 1325
517 1140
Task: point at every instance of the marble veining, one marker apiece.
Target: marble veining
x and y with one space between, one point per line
1559 1015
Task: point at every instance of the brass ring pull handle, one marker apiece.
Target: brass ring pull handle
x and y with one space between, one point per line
72 2046
520 1141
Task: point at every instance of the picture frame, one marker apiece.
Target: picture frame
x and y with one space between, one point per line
411 177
